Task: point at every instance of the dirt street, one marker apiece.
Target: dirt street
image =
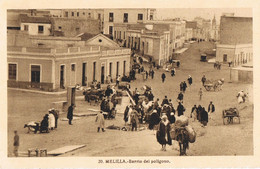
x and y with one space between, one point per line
216 139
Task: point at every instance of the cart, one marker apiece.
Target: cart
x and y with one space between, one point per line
230 115
215 85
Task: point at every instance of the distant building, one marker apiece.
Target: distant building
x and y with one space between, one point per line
236 38
125 16
53 68
35 25
13 16
150 40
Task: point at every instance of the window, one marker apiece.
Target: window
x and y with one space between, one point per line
125 17
66 14
100 40
151 17
89 15
73 67
111 17
83 13
110 30
26 28
72 13
77 13
99 16
140 17
77 29
35 73
60 27
12 71
40 29
225 58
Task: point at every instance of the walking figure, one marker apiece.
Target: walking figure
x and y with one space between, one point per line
163 77
203 80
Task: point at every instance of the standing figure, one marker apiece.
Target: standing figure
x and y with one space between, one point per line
204 117
211 109
180 97
200 93
165 101
16 143
180 109
190 81
184 86
100 121
163 77
163 134
193 113
152 74
51 120
203 80
70 113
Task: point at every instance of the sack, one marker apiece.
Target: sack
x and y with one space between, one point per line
192 134
182 121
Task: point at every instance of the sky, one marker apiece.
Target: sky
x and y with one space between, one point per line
207 13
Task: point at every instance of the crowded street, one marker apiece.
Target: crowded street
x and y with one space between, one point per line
212 139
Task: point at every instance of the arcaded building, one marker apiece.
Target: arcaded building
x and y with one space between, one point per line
236 40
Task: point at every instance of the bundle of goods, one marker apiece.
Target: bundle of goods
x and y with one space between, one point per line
182 122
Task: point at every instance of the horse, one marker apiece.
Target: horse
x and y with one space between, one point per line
183 139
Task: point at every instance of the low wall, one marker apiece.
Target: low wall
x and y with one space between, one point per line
242 75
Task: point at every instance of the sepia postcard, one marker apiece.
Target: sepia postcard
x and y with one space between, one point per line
130 84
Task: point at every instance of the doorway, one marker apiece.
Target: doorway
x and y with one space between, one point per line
35 76
102 74
62 69
225 58
84 77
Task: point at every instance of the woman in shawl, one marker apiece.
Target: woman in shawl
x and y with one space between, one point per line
163 134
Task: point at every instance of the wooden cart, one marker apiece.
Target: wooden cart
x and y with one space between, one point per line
230 115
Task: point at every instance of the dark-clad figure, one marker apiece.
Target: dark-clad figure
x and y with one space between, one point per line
203 80
45 124
204 117
180 97
184 86
154 119
70 113
180 109
190 80
152 74
163 134
172 118
163 77
126 114
165 101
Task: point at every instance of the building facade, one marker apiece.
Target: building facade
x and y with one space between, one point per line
54 68
236 38
125 16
